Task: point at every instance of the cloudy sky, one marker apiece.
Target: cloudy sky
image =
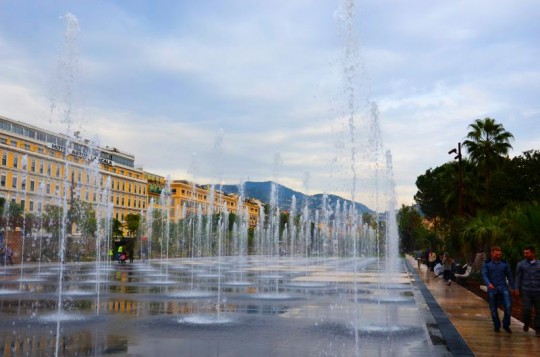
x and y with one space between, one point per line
309 93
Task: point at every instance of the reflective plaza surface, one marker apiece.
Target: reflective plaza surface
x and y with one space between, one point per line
228 306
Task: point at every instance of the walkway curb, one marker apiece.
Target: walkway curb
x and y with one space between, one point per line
455 343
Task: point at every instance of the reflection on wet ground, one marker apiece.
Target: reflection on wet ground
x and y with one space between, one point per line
208 307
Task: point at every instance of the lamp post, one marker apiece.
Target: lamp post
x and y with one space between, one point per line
460 187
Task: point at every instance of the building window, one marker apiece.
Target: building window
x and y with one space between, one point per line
32 185
15 161
31 206
14 182
4 159
40 167
49 169
39 206
57 170
3 180
33 166
48 188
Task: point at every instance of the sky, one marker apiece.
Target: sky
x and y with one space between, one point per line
355 98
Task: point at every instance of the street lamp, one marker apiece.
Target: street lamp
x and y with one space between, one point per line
460 187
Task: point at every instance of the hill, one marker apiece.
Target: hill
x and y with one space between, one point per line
262 191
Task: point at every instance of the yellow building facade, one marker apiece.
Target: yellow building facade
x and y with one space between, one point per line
192 196
187 198
39 168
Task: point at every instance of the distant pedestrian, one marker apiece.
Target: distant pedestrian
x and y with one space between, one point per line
119 252
131 253
432 257
497 276
528 287
418 256
144 253
448 265
9 255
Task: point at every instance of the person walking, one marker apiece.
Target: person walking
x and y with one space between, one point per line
448 264
432 257
497 276
528 288
418 256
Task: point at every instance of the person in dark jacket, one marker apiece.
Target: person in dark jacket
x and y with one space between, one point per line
497 276
528 287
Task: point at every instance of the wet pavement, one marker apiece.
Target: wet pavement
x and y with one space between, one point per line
231 306
467 315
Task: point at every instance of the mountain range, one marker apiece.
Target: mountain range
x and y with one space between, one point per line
262 191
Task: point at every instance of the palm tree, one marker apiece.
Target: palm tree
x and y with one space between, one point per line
481 232
488 144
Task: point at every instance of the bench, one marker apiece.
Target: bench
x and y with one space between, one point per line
465 275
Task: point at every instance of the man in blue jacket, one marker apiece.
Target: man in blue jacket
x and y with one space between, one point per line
497 276
528 287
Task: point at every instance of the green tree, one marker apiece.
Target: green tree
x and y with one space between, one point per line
481 232
517 180
412 232
431 187
522 224
487 143
52 222
133 222
116 228
15 215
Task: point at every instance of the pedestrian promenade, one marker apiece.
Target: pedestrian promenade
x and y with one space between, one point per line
470 316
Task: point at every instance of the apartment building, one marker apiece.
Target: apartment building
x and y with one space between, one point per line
192 196
187 198
39 168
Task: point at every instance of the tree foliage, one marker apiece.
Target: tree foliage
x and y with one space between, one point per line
500 197
133 222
